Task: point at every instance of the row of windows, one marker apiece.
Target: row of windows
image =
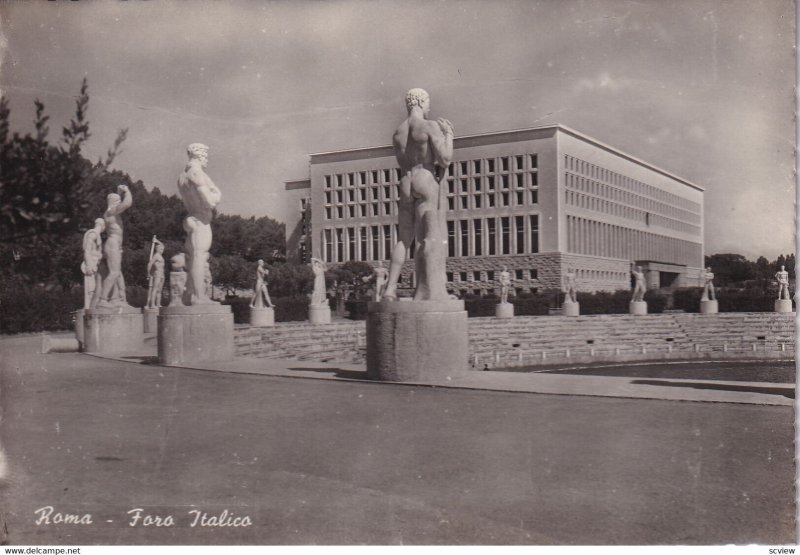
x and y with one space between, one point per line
490 275
602 239
608 207
484 166
596 172
491 236
375 242
632 199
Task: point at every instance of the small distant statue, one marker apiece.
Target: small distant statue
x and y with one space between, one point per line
260 293
570 288
708 287
155 274
200 196
783 284
421 146
639 286
379 276
92 255
318 297
504 279
112 293
177 279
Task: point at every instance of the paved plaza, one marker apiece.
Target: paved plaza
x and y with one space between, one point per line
340 461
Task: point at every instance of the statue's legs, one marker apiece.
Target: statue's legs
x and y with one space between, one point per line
98 284
198 241
431 255
155 295
405 230
113 259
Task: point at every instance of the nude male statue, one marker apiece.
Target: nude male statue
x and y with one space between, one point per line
155 273
260 293
379 275
318 297
420 146
639 286
200 196
570 289
112 292
504 278
708 287
783 284
92 255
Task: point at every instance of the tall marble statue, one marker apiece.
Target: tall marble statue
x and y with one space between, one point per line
379 276
92 255
112 293
504 279
783 284
260 293
421 146
639 286
708 287
200 196
155 274
570 288
318 295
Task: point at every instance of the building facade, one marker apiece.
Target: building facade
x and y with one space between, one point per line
542 202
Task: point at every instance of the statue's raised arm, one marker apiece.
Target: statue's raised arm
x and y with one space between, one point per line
441 139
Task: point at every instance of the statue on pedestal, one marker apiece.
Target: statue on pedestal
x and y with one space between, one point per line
318 297
260 293
112 292
424 150
783 284
200 196
155 274
92 255
504 279
639 286
570 289
708 287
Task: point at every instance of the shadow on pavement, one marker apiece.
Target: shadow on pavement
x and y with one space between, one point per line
338 372
785 391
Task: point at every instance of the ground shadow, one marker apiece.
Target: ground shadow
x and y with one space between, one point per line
785 391
338 372
143 359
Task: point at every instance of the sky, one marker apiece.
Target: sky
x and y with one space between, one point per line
700 88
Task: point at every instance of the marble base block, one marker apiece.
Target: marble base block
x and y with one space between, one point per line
638 308
150 318
319 314
198 333
112 330
262 317
783 305
504 310
571 309
52 344
418 341
79 325
709 307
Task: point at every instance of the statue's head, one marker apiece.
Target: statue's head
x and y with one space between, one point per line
380 263
418 97
99 224
198 151
159 248
260 262
783 268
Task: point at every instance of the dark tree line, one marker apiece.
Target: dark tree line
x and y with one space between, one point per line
736 271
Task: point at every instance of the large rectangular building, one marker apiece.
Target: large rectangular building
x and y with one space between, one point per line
540 201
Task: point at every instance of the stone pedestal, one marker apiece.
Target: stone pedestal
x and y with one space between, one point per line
638 308
79 325
783 305
709 307
417 341
571 309
262 317
52 344
504 310
112 330
198 333
150 318
319 314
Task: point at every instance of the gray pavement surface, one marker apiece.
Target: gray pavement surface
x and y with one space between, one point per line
337 461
